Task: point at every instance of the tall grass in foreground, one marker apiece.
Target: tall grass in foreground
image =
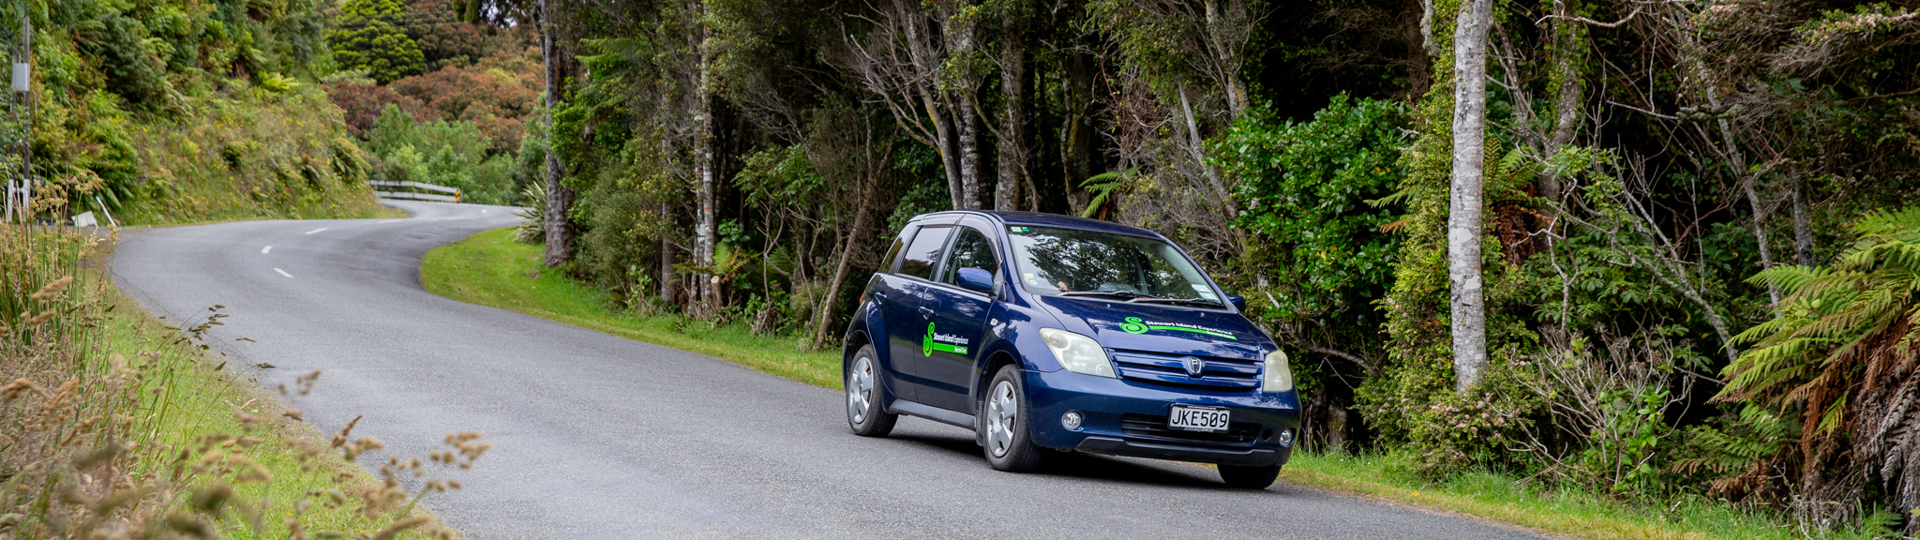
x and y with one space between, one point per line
113 426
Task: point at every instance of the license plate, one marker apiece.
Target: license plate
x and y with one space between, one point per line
1198 418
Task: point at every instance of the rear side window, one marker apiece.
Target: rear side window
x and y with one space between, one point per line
971 249
893 253
919 259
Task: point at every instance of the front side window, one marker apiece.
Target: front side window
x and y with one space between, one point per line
971 249
1073 262
924 252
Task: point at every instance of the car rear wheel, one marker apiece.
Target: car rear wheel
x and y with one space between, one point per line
1249 477
864 413
1009 441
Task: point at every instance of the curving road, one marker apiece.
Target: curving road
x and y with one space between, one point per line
597 436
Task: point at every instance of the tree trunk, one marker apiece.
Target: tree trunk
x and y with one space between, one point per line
1018 95
1802 223
969 141
706 290
960 101
1736 160
1076 144
1566 103
1463 219
559 196
1230 209
667 277
1236 88
1419 35
828 302
946 141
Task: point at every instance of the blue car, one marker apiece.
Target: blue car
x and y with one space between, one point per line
1043 332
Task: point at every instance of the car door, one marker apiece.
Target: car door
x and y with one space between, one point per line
906 314
884 290
952 342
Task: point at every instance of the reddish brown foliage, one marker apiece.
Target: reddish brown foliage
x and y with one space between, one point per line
496 95
362 103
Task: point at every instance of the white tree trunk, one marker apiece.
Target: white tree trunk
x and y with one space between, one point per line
705 235
1017 95
1463 219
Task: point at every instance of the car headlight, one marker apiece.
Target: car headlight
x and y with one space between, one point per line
1279 377
1077 353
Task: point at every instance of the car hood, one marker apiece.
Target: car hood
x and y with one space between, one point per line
1160 328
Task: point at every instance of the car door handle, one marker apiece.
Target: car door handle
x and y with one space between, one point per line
926 312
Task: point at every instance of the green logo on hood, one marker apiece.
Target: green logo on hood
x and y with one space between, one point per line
1134 325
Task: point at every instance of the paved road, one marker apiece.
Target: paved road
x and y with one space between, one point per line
601 437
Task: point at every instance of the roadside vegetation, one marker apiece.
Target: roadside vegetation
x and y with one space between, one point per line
1690 224
178 111
1654 251
491 269
434 95
117 425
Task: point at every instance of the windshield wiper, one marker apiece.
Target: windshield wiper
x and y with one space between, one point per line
1129 295
1193 301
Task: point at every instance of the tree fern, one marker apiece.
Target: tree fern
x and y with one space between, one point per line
1841 356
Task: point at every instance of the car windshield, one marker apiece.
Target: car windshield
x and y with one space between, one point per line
1086 263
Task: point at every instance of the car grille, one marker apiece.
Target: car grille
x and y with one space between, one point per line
1220 374
1142 425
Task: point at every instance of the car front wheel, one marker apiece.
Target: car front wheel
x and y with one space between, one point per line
864 413
1009 441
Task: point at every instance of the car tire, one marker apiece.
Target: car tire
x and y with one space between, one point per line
865 414
1009 436
1249 477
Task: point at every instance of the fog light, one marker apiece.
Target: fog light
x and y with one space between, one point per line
1071 420
1285 438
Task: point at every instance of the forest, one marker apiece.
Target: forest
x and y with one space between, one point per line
1658 249
1696 250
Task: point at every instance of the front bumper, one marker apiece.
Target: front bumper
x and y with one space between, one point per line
1125 418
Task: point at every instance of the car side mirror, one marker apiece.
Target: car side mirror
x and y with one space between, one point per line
977 280
1239 302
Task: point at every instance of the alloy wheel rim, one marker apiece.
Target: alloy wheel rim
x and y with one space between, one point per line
859 389
1003 406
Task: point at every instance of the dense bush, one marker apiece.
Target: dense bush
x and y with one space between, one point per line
1315 195
453 154
369 36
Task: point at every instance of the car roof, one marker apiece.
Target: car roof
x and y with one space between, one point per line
1039 219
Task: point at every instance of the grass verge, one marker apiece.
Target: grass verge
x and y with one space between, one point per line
205 397
490 269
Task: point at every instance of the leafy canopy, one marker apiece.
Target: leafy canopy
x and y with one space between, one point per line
368 37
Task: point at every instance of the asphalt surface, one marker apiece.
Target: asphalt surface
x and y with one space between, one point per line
597 436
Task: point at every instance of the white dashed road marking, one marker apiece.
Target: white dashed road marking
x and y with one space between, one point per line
283 272
264 250
316 230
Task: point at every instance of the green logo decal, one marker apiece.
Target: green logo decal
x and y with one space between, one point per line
1136 326
927 345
